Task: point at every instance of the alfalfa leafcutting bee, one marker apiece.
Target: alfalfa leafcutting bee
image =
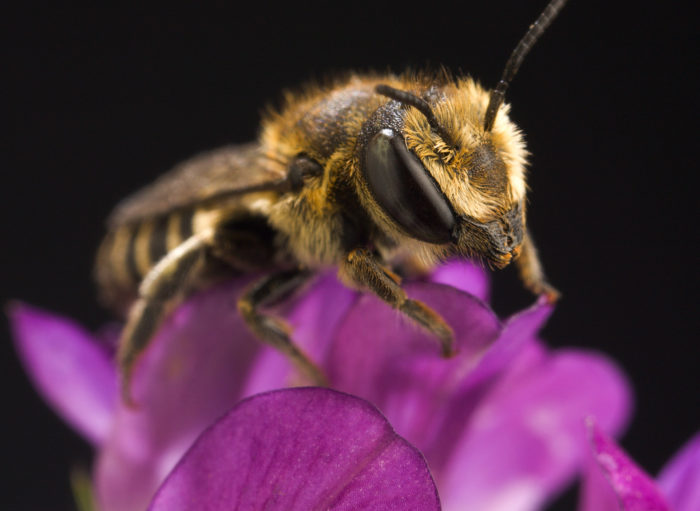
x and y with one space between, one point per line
371 173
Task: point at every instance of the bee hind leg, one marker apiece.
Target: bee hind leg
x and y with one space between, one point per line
273 330
361 267
161 290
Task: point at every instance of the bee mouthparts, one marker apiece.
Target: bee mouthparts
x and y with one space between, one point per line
515 253
504 259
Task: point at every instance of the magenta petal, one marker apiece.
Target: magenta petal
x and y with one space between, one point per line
679 481
595 493
314 315
516 346
71 370
384 358
464 275
300 449
526 440
624 485
193 372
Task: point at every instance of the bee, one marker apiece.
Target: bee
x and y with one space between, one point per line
370 174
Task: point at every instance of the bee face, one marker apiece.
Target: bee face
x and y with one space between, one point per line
462 195
498 241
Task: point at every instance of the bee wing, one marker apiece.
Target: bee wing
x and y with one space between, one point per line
224 171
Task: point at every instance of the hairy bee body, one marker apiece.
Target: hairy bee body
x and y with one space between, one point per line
318 224
370 174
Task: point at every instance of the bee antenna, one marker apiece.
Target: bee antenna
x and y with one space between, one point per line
516 58
421 105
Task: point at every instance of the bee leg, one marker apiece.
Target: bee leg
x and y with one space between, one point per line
160 291
361 267
273 330
531 272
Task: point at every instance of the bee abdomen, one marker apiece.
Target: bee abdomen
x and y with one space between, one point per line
129 251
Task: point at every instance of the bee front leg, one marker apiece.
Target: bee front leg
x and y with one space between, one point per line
160 291
361 267
272 330
531 272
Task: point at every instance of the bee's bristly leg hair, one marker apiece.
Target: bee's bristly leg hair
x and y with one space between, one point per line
160 291
531 272
362 268
273 330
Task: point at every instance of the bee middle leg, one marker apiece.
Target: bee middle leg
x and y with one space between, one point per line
363 268
273 330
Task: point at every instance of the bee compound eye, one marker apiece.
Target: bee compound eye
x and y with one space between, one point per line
403 188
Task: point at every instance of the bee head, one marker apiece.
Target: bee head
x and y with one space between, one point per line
441 178
446 165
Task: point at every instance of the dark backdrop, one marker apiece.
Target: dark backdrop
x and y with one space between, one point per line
99 101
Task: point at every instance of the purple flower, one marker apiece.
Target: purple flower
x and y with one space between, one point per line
501 424
613 482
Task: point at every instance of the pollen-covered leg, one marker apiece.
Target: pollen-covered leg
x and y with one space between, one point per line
361 267
531 273
160 291
273 330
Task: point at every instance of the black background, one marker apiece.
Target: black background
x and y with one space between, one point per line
99 101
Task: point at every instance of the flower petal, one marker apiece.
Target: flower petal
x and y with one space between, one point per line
314 315
464 275
679 480
193 372
69 367
525 441
623 485
384 358
300 449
